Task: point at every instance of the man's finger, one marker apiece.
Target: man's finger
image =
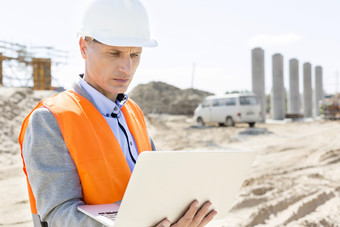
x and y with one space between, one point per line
164 223
189 215
203 212
208 218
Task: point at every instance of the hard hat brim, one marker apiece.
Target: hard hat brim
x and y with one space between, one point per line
124 42
128 42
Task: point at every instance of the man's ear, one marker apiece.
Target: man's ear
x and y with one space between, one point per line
82 46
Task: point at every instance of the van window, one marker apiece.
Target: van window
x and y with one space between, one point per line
216 102
230 102
248 100
206 104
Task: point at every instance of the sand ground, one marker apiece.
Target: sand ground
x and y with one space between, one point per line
295 179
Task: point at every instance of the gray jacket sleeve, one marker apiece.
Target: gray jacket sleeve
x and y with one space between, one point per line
52 173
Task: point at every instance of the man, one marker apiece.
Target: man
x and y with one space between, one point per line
80 146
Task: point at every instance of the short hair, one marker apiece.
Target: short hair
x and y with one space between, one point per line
90 40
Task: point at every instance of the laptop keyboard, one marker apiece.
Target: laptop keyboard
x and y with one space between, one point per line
110 215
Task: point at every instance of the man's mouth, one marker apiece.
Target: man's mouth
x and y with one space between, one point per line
121 80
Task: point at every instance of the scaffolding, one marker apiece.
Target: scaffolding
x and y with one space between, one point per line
2 58
41 67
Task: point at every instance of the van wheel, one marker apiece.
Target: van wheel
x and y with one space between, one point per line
229 122
251 124
200 122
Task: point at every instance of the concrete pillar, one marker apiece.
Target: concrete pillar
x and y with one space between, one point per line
307 90
318 89
294 93
41 73
258 82
278 100
1 59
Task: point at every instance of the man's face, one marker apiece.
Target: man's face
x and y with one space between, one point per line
109 69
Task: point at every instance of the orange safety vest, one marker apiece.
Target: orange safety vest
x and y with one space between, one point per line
102 167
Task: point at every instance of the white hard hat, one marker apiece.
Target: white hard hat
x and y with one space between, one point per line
117 23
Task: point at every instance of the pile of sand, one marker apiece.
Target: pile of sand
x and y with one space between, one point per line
15 104
160 98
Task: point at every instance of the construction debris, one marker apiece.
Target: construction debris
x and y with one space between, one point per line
330 107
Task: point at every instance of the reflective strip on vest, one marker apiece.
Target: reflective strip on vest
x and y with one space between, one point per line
103 170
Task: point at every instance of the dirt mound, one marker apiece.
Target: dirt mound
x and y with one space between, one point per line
15 104
159 97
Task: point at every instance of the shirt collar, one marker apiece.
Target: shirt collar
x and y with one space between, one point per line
105 105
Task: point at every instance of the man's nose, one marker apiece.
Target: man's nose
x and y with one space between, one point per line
125 65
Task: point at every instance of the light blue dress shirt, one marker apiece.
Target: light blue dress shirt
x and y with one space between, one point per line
106 107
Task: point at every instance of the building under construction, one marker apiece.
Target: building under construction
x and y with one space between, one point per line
41 74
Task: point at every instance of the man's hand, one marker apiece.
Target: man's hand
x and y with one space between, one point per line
194 217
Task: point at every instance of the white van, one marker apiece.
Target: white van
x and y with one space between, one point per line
229 109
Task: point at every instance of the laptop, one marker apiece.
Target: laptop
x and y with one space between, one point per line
164 184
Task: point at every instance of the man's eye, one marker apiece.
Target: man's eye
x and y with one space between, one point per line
114 54
134 55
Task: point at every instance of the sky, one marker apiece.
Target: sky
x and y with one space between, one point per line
210 39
